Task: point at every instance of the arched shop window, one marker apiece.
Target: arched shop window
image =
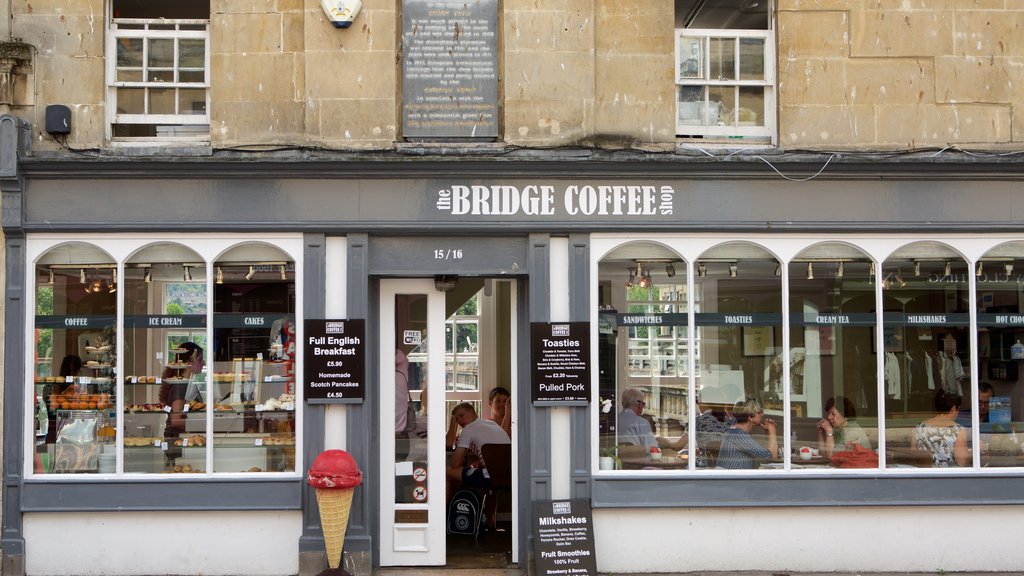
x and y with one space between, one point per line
165 384
644 352
926 349
738 318
1000 393
75 335
252 357
832 371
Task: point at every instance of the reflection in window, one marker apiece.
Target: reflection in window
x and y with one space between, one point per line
75 333
253 352
1000 349
834 403
926 356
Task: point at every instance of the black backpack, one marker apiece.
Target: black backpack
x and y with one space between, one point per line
465 512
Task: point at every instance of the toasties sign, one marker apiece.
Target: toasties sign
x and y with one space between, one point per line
571 200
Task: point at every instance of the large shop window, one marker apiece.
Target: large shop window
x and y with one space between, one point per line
131 377
873 364
158 60
725 70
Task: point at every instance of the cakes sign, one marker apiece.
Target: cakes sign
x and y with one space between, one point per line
334 361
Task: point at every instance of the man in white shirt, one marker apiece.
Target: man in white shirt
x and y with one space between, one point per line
467 467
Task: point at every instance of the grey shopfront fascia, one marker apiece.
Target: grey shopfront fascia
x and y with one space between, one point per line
387 206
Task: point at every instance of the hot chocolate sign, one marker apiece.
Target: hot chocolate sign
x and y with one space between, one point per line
550 200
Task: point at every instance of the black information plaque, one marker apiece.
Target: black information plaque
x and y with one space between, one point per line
561 372
335 354
564 534
450 69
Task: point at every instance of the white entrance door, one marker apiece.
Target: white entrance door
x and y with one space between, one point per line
412 470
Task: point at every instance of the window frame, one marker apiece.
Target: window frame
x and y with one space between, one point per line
114 33
767 132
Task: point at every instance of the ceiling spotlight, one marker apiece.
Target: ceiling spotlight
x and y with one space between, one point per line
188 275
284 275
445 283
840 272
645 280
81 276
149 275
1008 266
810 271
632 278
732 270
670 270
252 272
899 279
220 275
871 272
51 277
980 269
947 271
702 270
917 268
778 269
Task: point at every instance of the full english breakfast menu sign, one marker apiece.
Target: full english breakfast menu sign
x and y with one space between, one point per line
561 373
450 68
335 354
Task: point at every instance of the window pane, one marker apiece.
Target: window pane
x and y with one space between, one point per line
693 110
191 76
723 59
191 101
751 59
131 101
691 57
644 360
253 354
723 100
834 402
161 101
75 388
129 75
160 75
129 52
191 53
926 355
410 364
751 110
161 53
1000 351
165 383
739 325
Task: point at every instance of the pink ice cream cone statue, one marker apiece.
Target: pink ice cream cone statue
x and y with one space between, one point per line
335 476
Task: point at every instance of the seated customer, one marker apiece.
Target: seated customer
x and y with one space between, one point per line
634 429
985 393
837 431
739 450
466 467
941 435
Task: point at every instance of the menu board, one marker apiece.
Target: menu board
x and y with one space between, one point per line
561 372
450 69
335 354
563 531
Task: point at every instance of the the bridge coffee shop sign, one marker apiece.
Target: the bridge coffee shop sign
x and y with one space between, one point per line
334 360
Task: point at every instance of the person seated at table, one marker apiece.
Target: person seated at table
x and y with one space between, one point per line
941 435
739 449
634 429
499 403
837 430
467 468
985 393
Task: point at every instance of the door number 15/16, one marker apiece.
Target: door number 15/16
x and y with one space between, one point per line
448 254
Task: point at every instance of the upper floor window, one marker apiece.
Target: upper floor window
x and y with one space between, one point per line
158 58
725 70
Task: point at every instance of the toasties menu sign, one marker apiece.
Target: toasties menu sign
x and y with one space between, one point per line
561 373
335 356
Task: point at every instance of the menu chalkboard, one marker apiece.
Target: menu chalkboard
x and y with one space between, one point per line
563 531
335 354
561 372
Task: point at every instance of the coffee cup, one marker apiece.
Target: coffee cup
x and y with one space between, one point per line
655 453
806 453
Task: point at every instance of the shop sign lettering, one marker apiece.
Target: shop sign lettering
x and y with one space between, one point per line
550 200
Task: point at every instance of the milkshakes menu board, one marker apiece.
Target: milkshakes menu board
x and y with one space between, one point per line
563 531
561 371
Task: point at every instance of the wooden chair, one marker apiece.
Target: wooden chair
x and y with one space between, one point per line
498 461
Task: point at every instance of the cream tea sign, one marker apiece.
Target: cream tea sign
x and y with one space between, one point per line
550 200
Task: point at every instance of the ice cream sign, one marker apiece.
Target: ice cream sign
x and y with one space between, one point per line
571 200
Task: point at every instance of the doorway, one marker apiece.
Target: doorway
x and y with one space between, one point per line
442 343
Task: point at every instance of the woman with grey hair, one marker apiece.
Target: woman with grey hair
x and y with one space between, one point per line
739 449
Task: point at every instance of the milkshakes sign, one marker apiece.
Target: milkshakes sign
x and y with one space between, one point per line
564 200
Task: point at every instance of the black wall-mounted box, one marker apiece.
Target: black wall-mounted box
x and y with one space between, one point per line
58 119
